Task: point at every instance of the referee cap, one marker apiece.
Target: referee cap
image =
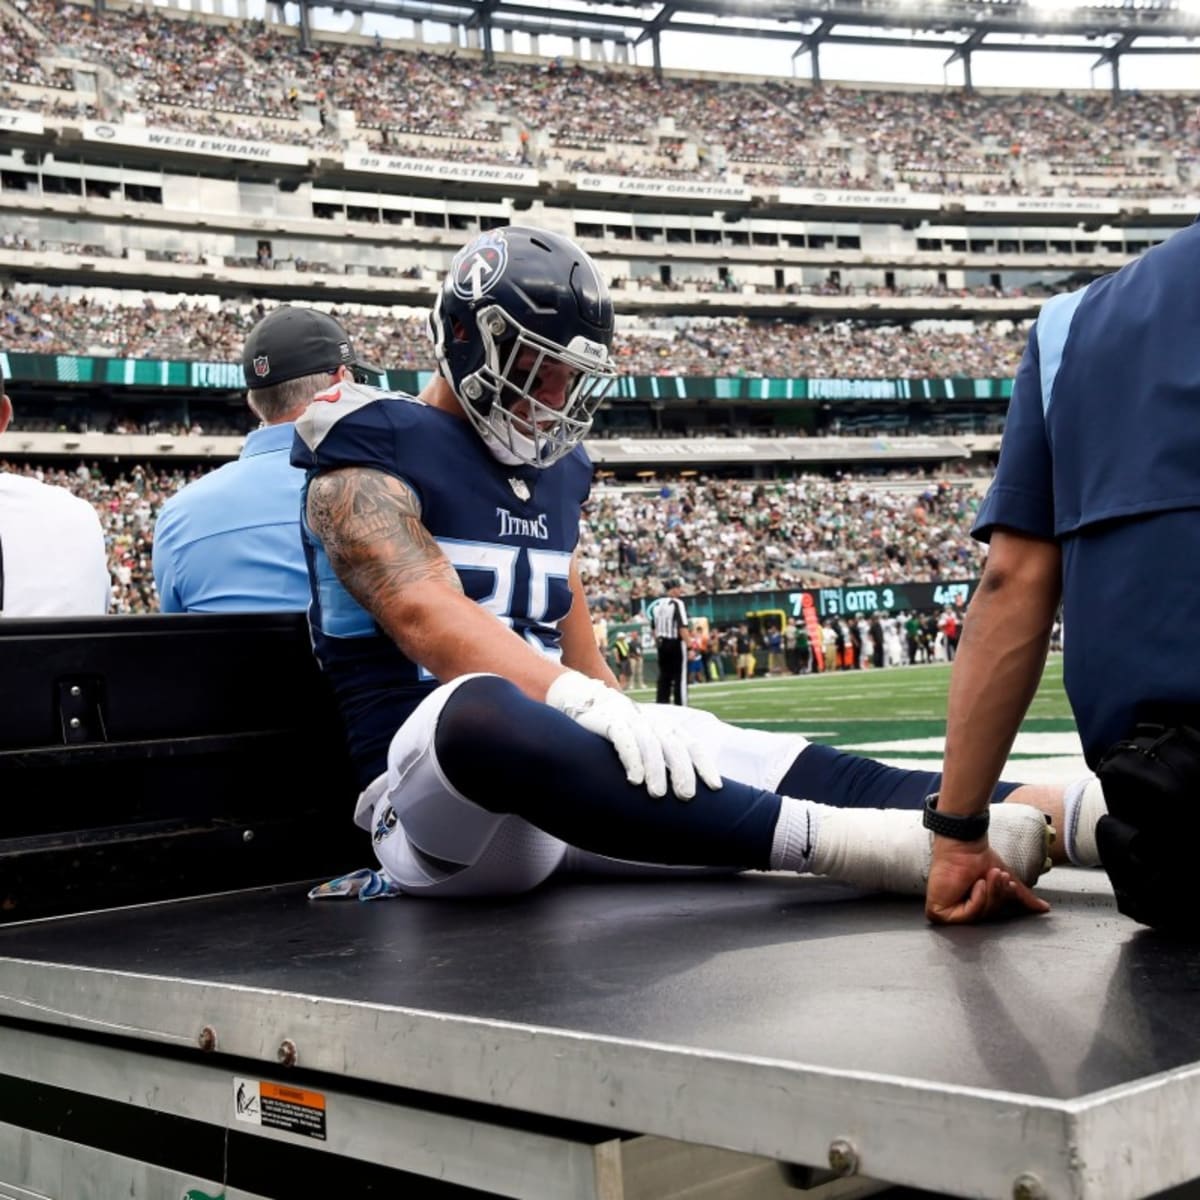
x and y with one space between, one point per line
291 342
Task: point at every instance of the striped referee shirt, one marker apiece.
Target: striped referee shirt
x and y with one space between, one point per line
670 619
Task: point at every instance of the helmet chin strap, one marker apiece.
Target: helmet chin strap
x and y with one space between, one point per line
505 442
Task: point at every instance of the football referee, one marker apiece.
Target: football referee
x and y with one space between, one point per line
670 632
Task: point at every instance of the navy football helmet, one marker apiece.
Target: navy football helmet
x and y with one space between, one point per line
523 330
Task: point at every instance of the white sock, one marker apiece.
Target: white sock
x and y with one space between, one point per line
796 834
877 848
1083 806
889 849
883 849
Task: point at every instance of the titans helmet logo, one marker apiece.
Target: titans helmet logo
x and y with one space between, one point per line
384 826
479 266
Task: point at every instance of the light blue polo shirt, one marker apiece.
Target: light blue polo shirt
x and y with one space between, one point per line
230 542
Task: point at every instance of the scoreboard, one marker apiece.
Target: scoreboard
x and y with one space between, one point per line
886 598
731 608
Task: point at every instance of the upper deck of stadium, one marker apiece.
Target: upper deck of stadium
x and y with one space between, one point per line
338 94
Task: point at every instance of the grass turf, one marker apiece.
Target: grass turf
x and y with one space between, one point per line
854 707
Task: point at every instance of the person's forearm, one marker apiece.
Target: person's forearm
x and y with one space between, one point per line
996 673
580 650
589 661
450 635
369 524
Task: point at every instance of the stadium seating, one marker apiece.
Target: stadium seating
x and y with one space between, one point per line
723 535
203 328
208 74
253 79
718 534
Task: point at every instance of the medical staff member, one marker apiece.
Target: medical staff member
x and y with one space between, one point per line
1095 504
230 542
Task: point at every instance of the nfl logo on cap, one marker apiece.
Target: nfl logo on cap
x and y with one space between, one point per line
262 366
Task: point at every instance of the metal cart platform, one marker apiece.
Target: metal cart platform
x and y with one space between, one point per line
519 1048
746 1037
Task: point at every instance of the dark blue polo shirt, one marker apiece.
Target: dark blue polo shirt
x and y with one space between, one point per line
1101 451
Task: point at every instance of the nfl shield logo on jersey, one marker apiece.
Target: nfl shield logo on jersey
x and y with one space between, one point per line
520 488
262 366
478 266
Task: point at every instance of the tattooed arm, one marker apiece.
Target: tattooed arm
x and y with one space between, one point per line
370 525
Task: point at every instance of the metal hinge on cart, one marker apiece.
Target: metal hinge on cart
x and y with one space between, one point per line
79 710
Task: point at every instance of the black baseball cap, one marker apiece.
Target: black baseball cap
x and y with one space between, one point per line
291 342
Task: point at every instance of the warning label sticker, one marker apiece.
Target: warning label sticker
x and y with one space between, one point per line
274 1106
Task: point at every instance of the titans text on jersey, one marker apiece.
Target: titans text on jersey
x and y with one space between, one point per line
510 533
514 526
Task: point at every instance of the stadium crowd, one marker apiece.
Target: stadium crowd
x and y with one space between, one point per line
53 322
254 79
220 124
721 535
231 67
714 534
19 60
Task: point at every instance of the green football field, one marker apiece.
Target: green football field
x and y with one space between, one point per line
897 714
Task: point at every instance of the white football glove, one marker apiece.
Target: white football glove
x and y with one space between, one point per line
650 750
685 757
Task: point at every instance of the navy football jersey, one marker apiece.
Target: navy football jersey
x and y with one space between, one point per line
509 531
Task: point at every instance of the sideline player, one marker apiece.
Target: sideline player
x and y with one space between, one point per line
449 613
52 559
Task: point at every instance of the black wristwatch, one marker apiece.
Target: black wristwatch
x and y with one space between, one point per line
966 828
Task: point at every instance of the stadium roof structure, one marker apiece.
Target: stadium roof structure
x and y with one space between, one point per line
1109 30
